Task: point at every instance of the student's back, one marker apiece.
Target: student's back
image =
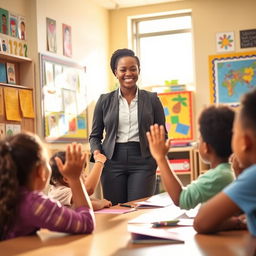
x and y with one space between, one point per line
24 172
241 194
214 148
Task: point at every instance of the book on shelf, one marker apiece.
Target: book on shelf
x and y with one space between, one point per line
3 78
11 76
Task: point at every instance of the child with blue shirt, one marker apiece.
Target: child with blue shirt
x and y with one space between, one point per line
214 148
240 195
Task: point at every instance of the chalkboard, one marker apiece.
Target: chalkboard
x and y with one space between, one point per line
248 38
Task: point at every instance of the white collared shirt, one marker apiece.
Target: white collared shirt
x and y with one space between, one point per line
128 129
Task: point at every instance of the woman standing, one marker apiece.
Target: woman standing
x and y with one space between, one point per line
126 115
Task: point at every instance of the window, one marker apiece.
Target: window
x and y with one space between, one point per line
164 45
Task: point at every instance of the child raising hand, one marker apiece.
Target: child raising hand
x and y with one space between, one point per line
60 189
214 148
24 172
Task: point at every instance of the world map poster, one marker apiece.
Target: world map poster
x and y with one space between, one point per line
231 76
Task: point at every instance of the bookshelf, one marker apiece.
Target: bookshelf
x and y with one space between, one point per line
182 162
199 166
24 79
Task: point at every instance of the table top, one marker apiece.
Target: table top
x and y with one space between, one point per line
112 238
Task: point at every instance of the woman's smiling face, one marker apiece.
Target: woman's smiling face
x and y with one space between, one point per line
127 71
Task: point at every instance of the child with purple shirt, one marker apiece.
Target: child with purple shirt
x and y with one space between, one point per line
24 172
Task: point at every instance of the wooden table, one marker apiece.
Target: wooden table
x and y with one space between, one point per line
112 238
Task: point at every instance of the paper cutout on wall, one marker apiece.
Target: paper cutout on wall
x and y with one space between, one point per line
26 103
178 114
11 99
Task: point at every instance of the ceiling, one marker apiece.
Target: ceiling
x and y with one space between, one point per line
115 4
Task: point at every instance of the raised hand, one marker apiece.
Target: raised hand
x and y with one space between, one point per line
74 164
157 144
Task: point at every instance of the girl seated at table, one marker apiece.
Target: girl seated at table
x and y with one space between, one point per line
24 172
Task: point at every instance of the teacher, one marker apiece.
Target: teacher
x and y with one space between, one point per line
124 116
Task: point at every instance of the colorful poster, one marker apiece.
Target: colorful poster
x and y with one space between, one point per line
67 40
22 28
9 130
11 99
179 115
13 25
64 100
225 42
51 35
4 21
26 103
231 75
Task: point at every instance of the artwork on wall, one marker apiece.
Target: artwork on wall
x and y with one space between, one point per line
67 40
22 28
248 38
64 100
51 35
178 113
231 75
13 25
4 21
225 42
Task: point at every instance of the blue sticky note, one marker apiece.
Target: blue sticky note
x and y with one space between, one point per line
166 111
182 128
3 77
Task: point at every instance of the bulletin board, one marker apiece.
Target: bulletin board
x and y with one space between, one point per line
178 114
64 100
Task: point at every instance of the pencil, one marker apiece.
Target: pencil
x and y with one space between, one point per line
126 205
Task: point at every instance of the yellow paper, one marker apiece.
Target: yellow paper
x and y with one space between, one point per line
11 99
26 103
1 102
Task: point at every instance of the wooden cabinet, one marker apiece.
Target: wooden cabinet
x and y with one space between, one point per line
181 158
199 166
24 76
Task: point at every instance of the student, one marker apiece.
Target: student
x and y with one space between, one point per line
241 194
214 148
60 189
24 172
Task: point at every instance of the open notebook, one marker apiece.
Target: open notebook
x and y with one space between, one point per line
160 200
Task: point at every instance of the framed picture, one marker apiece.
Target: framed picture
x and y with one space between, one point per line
11 75
64 100
4 21
179 115
231 75
13 25
67 42
22 28
51 35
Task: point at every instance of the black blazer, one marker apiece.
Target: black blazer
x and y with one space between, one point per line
106 114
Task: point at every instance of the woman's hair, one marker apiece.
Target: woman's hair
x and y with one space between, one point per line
216 124
248 110
19 155
119 54
56 175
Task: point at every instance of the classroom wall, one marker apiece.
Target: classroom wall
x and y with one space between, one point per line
90 45
208 17
90 42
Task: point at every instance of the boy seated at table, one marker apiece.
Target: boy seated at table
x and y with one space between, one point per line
214 148
241 194
60 190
